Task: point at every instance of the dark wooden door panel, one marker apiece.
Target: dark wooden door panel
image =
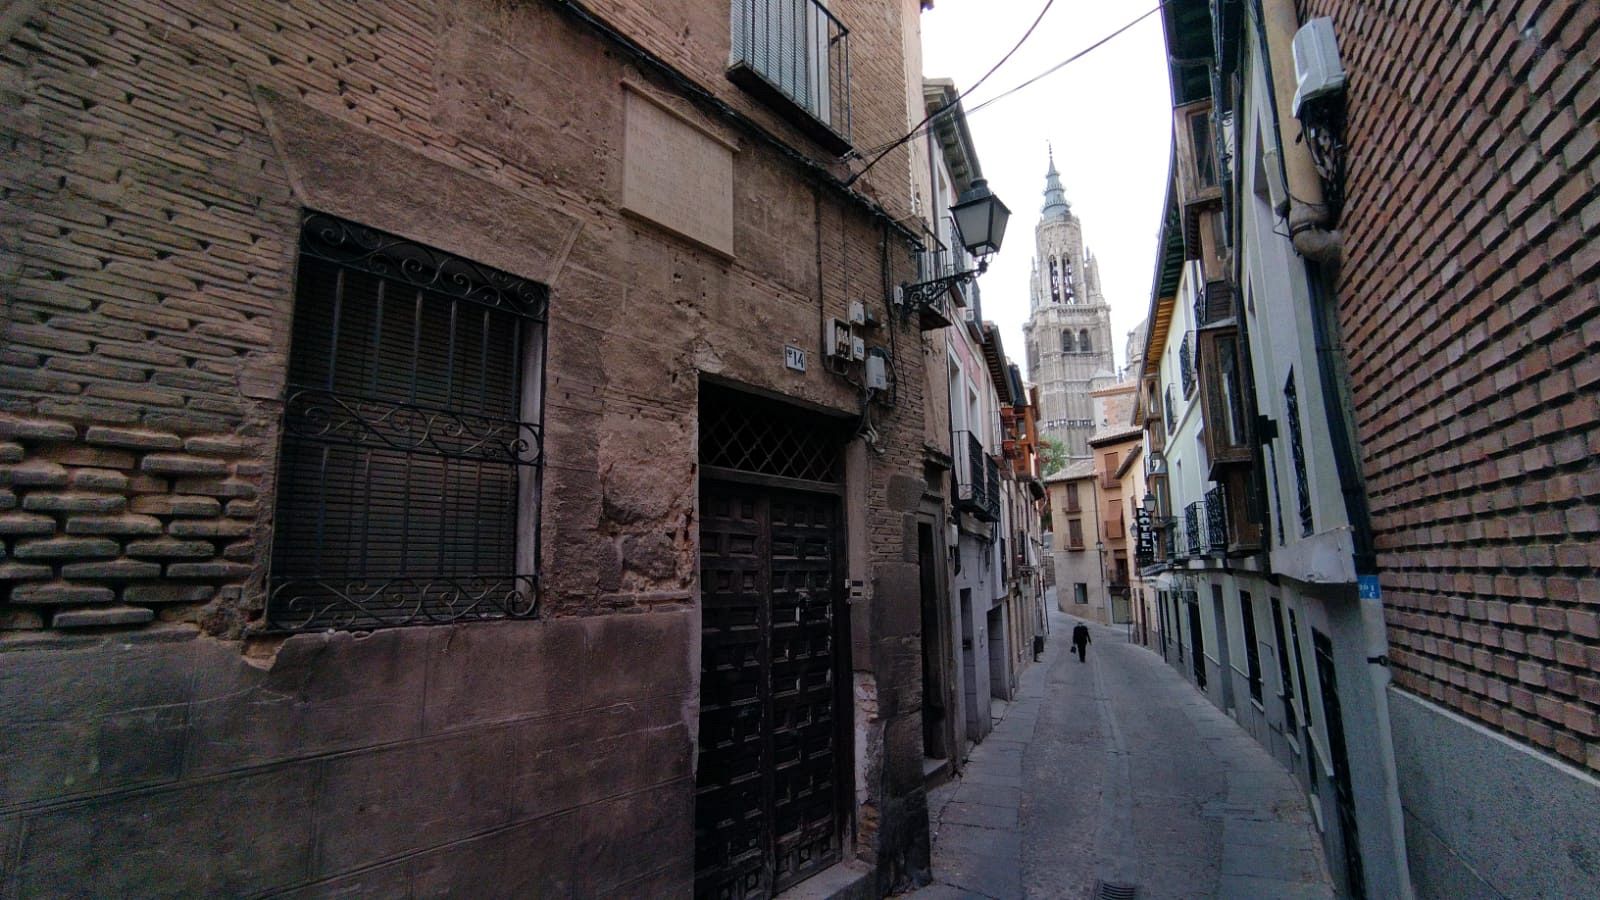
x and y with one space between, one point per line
767 785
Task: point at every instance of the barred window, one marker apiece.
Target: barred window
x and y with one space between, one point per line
408 483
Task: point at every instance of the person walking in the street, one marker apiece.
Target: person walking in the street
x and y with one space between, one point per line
1080 640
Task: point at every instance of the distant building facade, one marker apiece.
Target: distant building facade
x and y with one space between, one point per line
1068 331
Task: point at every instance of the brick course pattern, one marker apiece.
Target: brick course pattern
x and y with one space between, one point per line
1473 242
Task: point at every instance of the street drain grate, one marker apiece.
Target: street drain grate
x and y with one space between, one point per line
1110 890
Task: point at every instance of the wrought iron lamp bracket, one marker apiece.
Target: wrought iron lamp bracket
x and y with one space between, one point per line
921 296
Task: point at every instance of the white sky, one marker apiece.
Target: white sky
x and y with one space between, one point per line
1108 115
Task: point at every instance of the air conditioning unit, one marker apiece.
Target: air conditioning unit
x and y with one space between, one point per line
1317 69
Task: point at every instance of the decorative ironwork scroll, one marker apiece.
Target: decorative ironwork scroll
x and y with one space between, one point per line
355 246
324 416
349 604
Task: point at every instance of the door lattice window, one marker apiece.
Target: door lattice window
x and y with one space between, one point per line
412 439
741 432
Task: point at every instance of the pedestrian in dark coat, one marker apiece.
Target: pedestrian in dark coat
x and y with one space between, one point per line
1080 640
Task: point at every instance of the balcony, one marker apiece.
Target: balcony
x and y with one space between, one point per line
977 478
1193 519
794 56
1216 521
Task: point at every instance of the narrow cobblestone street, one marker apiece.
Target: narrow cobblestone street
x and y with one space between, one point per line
1119 771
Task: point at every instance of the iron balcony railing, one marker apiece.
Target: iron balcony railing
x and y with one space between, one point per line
991 499
1216 520
977 477
1193 518
798 51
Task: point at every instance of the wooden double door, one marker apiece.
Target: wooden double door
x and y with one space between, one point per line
768 799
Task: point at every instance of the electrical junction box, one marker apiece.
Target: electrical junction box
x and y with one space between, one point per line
858 313
1317 69
858 349
877 374
836 340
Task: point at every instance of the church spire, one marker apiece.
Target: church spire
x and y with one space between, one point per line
1055 197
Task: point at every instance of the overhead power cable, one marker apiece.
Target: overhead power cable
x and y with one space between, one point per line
922 127
941 110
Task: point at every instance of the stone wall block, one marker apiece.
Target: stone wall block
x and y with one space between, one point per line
612 831
500 864
205 570
324 692
8 499
13 619
133 439
102 617
657 647
34 473
67 548
368 807
93 681
21 523
251 832
210 528
123 525
168 592
10 453
56 593
498 672
97 480
556 769
74 502
181 464
243 509
42 430
166 548
14 571
95 754
224 488
114 570
216 445
84 455
177 505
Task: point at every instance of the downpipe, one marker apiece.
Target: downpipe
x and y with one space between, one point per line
1308 210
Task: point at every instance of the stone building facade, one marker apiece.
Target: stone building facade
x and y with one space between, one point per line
1068 332
406 405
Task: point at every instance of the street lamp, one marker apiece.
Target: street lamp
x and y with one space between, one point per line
980 220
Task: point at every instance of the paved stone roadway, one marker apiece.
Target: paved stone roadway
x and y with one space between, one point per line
1120 770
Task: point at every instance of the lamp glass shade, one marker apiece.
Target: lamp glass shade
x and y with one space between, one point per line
981 219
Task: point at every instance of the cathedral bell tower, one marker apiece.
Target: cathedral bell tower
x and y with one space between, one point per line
1068 332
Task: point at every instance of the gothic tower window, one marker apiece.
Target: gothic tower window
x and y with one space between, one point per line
1083 341
1066 341
1066 279
1055 282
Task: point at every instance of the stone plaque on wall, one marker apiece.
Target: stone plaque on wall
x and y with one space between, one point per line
676 173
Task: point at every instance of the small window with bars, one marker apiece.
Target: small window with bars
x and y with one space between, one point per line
409 476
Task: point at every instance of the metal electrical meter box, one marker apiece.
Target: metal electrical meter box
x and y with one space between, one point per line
877 373
1317 69
836 338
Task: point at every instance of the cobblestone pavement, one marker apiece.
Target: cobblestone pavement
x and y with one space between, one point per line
1119 770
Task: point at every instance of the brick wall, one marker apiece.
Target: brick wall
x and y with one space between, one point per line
1470 308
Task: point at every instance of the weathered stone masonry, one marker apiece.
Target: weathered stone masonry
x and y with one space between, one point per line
159 158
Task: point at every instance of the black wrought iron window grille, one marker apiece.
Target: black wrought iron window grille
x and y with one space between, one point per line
412 447
1193 518
1297 450
1186 366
